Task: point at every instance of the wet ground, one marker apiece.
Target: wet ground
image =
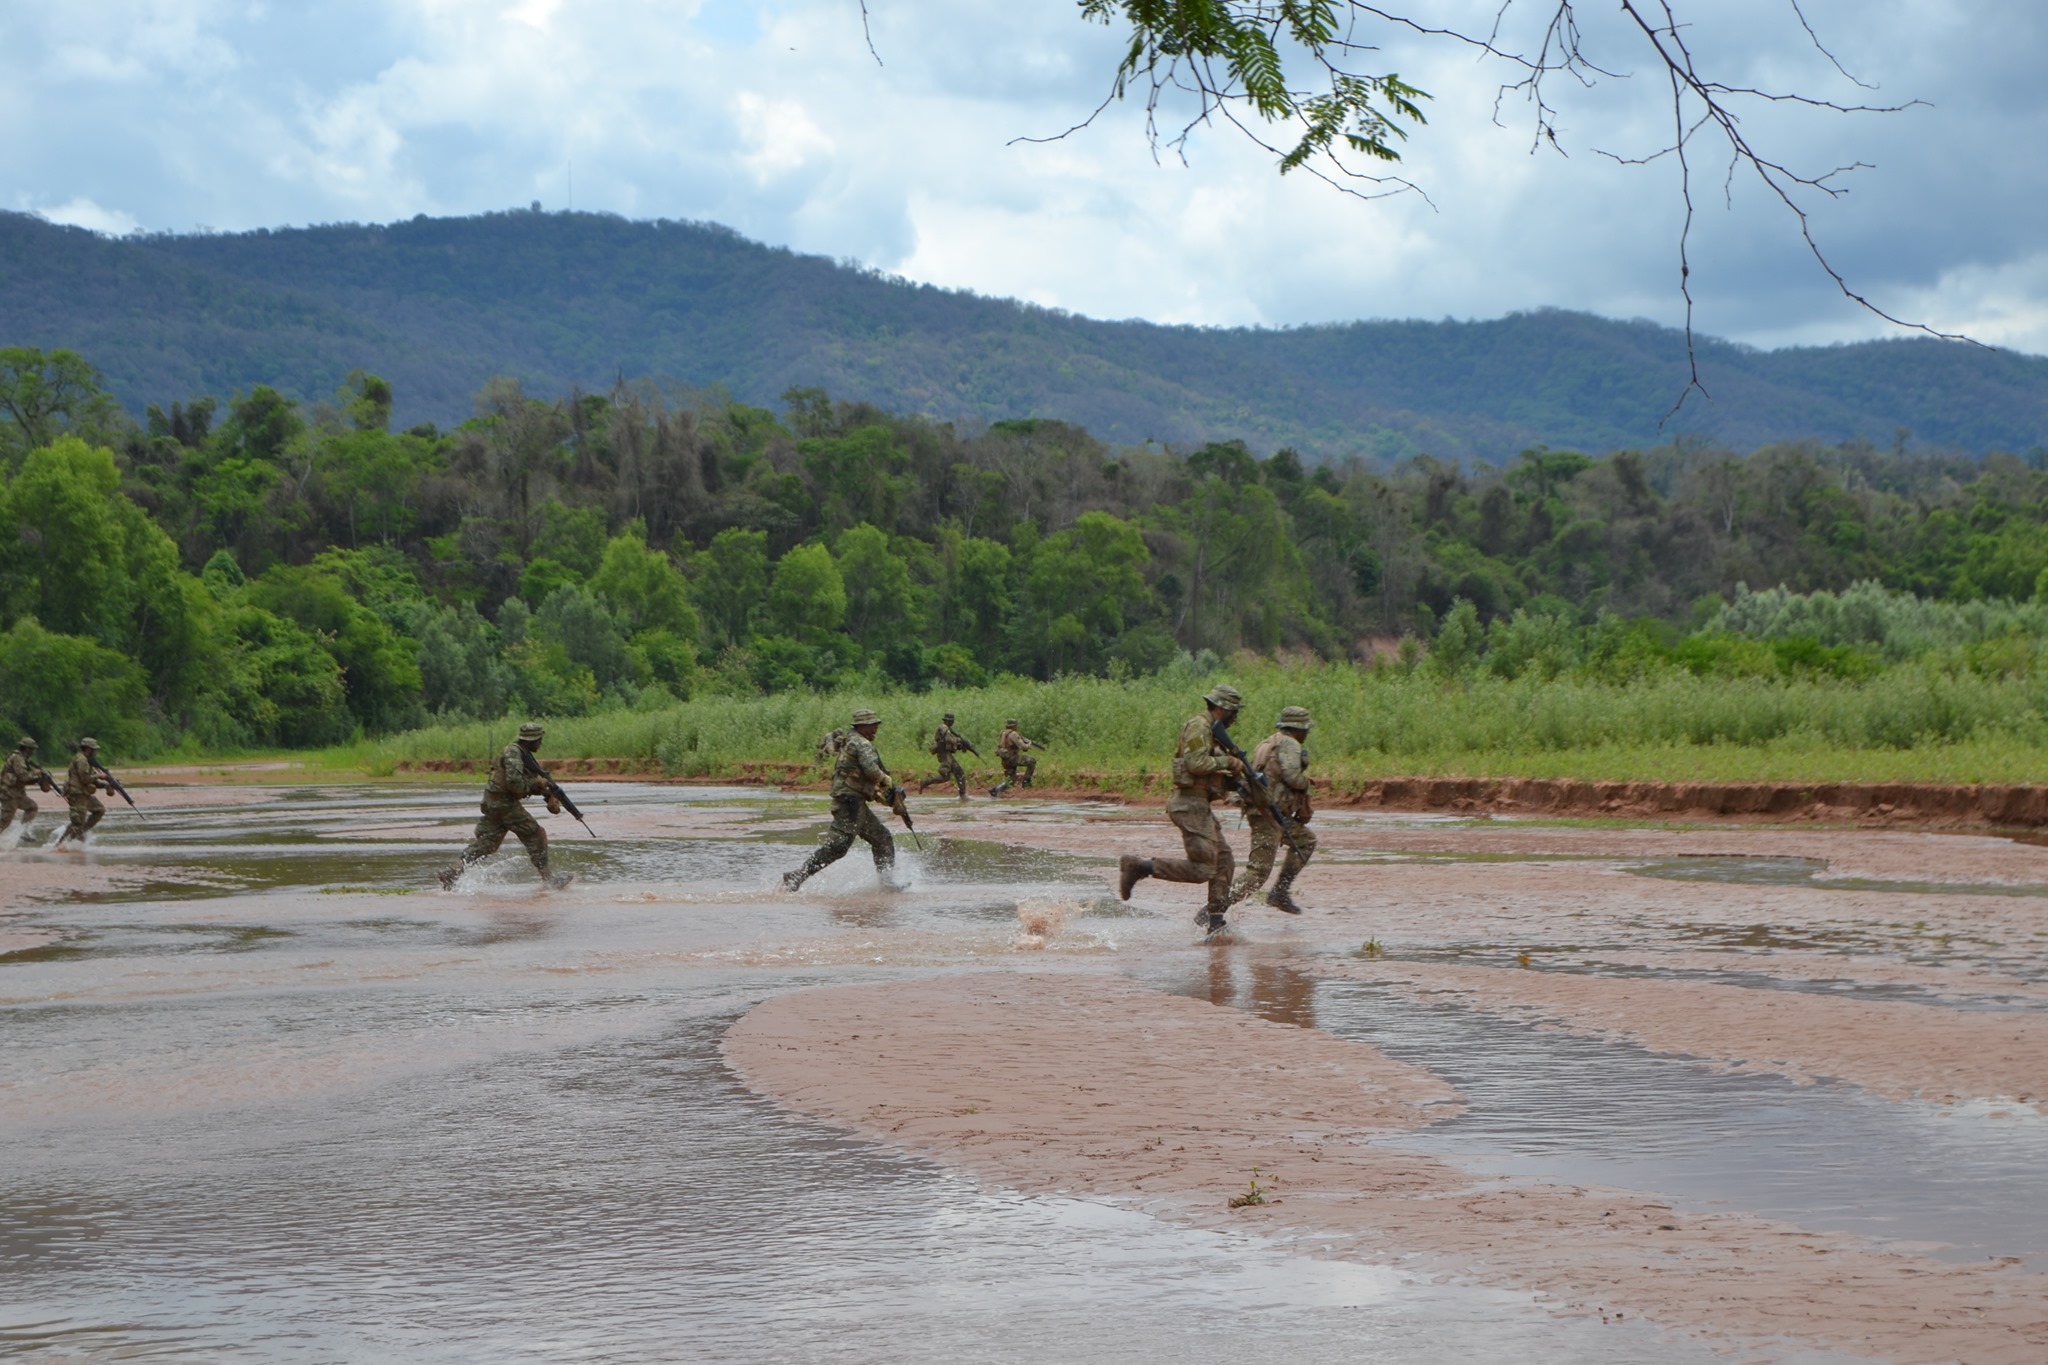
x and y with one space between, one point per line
267 1093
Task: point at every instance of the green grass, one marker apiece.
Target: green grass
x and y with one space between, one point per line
1907 724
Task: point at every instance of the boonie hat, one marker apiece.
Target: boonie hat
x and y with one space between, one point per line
948 718
1224 695
531 730
1294 718
1010 724
866 717
88 743
27 742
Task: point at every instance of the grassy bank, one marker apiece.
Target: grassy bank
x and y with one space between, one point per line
1908 724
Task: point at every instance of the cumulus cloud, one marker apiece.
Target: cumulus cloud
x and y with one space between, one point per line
771 115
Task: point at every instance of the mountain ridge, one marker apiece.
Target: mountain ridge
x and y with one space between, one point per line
439 305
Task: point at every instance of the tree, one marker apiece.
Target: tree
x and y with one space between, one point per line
731 583
808 597
37 388
880 608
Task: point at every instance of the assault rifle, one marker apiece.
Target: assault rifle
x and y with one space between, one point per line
554 789
1252 787
114 784
901 807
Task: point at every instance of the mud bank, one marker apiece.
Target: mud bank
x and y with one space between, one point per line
1882 804
1173 1103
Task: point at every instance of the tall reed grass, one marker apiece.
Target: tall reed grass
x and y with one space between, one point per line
1909 723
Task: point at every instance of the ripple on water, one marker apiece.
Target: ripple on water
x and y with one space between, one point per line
631 1202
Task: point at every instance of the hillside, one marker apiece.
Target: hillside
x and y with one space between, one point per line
437 306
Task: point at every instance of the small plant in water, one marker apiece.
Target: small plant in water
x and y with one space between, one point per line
1372 948
1252 1193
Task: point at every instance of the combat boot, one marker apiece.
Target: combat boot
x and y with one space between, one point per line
447 875
1129 872
999 788
792 880
1210 920
1281 897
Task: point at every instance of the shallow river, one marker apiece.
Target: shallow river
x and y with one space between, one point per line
268 1094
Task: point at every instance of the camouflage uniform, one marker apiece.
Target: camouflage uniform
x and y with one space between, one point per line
857 779
1284 763
81 787
830 746
1013 750
514 777
1201 771
947 744
17 775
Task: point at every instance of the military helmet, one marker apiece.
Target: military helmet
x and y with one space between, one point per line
1294 718
1225 696
88 743
948 718
531 730
866 717
28 744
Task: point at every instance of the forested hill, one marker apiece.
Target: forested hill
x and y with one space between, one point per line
437 306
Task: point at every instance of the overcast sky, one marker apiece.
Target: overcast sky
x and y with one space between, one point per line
770 116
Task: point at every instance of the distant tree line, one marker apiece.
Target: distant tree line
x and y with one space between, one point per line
266 573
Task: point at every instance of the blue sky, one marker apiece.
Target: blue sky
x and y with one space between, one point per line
772 118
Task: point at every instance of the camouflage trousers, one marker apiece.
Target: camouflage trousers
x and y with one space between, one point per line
1209 857
949 770
1266 842
13 801
86 811
502 815
1023 763
852 818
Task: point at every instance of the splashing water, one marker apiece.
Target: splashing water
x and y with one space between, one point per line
1039 922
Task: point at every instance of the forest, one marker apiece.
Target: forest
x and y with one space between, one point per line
259 573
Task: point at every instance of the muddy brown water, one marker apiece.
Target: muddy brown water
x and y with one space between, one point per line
267 1094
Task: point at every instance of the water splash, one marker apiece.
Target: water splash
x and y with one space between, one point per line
1039 922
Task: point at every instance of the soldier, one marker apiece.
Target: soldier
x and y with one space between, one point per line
515 775
1202 770
947 744
82 785
857 778
830 746
16 776
1283 761
1014 751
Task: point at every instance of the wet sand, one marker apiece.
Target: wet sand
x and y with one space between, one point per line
218 974
1081 1086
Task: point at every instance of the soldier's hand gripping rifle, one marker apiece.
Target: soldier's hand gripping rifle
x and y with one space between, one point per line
554 790
1252 787
898 804
114 785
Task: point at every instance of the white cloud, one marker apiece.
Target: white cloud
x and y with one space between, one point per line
86 214
770 115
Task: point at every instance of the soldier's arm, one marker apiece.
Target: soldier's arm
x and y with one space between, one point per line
871 766
1195 750
1291 770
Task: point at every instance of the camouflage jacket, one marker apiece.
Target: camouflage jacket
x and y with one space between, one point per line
1199 763
1285 763
946 740
510 776
20 772
1012 743
79 778
859 771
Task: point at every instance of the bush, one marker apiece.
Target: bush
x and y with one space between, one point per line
59 687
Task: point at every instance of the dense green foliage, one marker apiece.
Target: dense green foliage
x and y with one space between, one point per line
276 574
561 300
